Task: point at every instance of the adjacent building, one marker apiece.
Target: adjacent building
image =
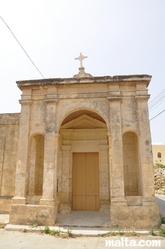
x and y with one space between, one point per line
158 151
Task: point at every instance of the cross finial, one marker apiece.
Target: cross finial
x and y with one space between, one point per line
81 58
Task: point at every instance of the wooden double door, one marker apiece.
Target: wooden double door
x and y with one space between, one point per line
85 181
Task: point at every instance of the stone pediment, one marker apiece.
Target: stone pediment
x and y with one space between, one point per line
84 122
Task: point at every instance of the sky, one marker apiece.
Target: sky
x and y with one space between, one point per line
120 37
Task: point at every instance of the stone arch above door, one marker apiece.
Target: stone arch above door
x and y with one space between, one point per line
84 121
73 113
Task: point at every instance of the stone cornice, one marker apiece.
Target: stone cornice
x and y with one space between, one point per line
50 100
66 147
25 101
117 97
100 79
103 147
139 97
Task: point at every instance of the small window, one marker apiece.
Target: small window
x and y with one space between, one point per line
159 155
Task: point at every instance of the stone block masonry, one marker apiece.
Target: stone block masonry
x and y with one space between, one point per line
79 144
9 126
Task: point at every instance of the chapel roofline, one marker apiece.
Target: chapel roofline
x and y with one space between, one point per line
97 79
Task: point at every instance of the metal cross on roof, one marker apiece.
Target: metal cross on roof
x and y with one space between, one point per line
81 58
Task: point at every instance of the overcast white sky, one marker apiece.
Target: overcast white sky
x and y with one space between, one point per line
120 37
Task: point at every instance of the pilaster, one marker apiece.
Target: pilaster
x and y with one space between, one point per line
115 148
104 178
50 153
65 207
22 157
145 153
2 150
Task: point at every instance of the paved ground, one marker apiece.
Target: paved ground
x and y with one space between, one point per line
21 240
86 219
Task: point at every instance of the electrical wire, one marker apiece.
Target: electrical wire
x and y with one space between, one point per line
159 103
157 114
152 104
22 47
157 99
157 96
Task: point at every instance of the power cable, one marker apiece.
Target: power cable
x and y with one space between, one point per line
156 100
22 48
157 114
161 100
156 96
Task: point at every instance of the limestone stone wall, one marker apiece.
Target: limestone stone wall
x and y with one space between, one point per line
9 125
103 115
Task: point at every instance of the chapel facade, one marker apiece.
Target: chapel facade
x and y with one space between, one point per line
81 144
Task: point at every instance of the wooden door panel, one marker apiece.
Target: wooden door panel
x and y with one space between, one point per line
79 202
79 174
85 180
92 174
90 202
93 203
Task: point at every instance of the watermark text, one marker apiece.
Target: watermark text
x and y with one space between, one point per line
127 242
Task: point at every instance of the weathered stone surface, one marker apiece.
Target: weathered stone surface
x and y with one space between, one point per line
5 204
104 116
135 216
9 125
30 214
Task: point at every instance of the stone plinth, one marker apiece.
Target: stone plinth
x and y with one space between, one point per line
135 216
29 214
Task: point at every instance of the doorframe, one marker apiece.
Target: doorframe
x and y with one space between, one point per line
100 146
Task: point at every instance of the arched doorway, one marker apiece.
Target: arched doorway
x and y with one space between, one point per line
83 172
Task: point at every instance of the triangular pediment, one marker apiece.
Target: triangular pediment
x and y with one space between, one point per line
84 122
